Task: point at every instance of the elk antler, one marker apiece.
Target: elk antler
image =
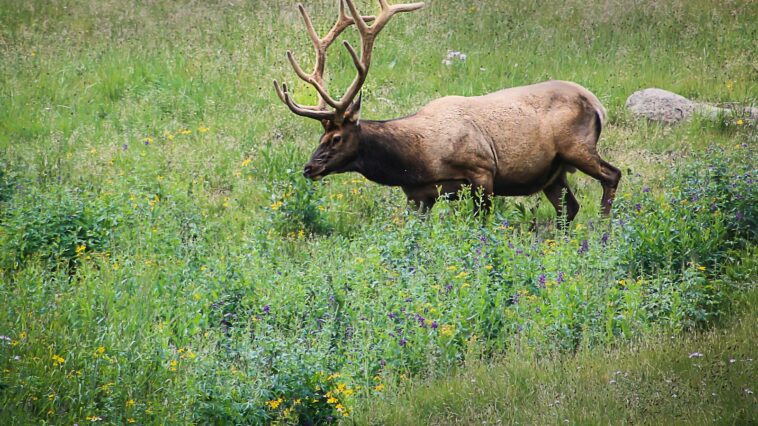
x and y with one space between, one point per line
316 78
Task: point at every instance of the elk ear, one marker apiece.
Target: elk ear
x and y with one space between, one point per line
353 113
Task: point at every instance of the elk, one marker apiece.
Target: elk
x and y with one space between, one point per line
516 141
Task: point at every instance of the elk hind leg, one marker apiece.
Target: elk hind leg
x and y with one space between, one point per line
608 175
555 194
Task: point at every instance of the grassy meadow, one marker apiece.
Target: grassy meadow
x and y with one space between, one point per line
163 261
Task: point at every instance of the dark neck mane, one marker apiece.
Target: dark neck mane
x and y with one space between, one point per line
388 154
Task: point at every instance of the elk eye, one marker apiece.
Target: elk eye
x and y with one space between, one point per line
336 139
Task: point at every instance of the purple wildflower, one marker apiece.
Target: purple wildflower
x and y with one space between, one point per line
391 315
638 206
560 278
434 325
506 223
646 189
585 247
421 321
541 280
402 341
448 288
125 146
266 309
604 238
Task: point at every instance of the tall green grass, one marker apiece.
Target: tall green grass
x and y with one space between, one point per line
163 261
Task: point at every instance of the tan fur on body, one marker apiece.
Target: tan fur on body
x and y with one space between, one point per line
516 141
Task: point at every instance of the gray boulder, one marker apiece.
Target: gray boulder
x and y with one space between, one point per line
668 107
660 105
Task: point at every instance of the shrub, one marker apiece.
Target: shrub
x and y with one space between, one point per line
295 207
57 227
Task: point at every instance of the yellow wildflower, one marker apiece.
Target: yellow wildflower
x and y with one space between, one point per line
94 418
172 365
130 403
202 129
452 268
333 376
131 420
246 162
740 122
462 274
341 408
80 249
379 387
447 330
185 132
99 351
276 205
332 400
488 267
58 360
701 268
274 403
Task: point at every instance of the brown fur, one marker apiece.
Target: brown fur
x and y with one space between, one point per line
516 141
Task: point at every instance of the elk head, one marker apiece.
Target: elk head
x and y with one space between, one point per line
340 118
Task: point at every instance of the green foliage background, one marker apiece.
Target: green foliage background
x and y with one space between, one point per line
163 261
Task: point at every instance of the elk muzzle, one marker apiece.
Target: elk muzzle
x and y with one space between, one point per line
313 171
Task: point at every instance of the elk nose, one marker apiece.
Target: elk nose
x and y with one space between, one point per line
307 171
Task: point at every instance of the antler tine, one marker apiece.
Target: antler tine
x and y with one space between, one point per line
368 35
318 114
316 77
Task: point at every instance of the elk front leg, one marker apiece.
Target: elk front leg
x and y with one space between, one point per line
482 189
421 198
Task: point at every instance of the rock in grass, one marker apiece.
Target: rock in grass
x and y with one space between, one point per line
668 107
660 105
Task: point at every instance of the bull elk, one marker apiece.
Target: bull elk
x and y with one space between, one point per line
516 141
